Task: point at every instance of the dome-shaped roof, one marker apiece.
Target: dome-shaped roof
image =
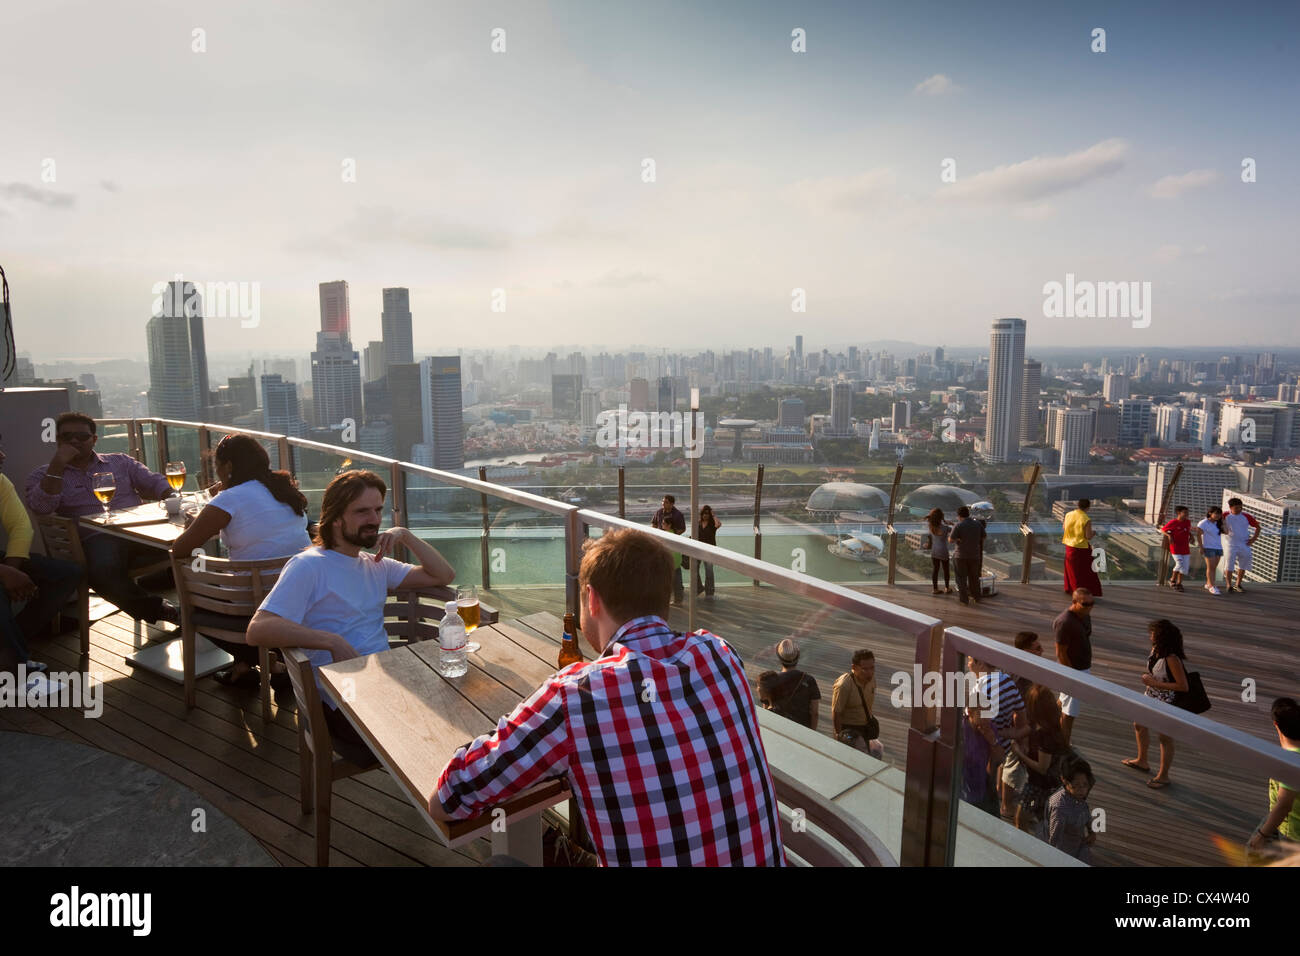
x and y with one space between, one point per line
847 496
947 498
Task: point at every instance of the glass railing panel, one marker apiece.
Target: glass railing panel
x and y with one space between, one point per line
113 439
315 469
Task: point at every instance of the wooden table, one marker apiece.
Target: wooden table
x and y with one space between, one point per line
150 525
414 720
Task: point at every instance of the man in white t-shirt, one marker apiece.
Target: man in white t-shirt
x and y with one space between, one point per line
329 600
1239 532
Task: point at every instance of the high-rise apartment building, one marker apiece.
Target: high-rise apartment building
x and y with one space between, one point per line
566 394
1006 390
900 415
638 395
1073 432
667 394
590 407
395 322
1031 389
1136 421
281 413
1115 386
1276 551
178 357
1201 486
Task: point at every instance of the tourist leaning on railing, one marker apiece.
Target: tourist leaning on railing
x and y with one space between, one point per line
1282 824
329 600
657 737
259 514
65 487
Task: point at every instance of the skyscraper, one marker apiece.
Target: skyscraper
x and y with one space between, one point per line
376 364
408 408
1031 387
1006 390
1114 386
667 398
335 380
565 392
841 408
590 407
396 324
281 413
178 358
638 395
798 350
440 395
335 315
790 413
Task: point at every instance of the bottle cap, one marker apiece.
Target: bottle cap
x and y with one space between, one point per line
452 608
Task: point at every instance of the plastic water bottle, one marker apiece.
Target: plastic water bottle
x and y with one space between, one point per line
451 643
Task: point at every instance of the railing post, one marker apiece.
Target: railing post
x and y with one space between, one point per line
573 534
205 457
286 456
758 511
622 499
484 546
134 441
889 524
932 790
160 443
1025 528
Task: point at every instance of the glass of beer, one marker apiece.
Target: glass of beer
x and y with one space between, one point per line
176 476
467 605
105 487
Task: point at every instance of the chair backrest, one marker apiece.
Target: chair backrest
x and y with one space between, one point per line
418 611
222 586
61 538
311 712
812 827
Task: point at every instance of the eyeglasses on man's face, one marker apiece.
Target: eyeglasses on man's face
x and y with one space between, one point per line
75 436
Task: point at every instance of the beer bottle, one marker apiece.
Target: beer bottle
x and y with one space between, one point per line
570 652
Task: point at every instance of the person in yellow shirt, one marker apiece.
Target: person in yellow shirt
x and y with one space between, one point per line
32 586
1078 536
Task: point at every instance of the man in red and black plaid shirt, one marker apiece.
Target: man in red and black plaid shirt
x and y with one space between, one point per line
657 736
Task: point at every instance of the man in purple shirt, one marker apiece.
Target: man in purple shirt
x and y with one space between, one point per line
64 487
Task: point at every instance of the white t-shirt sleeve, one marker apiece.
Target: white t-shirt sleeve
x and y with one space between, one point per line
396 571
294 591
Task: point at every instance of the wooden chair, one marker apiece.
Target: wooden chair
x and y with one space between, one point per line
219 601
858 846
63 541
417 618
321 758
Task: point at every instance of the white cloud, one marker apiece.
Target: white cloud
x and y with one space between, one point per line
857 192
1171 187
936 85
1039 177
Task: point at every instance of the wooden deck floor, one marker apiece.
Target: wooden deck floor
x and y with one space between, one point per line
1211 803
249 770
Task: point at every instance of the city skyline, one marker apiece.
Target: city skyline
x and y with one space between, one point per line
774 171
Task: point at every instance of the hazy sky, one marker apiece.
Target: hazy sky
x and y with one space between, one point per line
522 170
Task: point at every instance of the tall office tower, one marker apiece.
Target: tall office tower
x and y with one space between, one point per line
790 413
335 315
638 395
1073 431
1006 390
1135 422
178 358
376 363
938 355
901 413
395 323
281 414
376 438
443 419
408 408
841 409
590 407
666 399
566 392
1287 393
1114 387
335 380
378 400
1030 389
798 350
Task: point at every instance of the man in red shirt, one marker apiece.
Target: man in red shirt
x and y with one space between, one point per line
1178 534
657 737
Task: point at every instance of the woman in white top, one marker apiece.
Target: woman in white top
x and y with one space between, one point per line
259 514
1209 531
